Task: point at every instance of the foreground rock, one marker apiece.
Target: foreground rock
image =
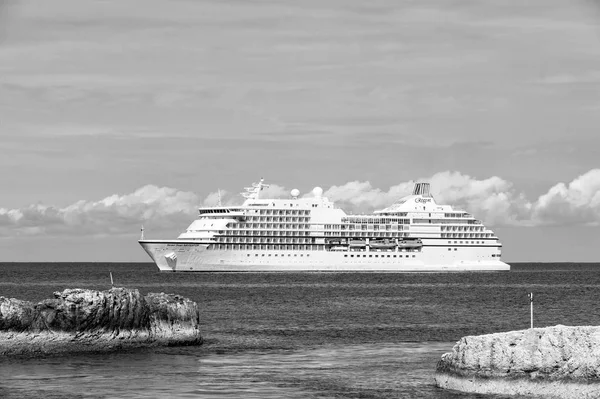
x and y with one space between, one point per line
79 320
552 362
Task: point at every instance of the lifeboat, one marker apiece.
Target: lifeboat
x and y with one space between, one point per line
382 244
410 243
338 248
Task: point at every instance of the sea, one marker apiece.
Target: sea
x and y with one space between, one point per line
298 335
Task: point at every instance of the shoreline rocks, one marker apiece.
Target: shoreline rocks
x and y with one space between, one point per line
81 320
551 362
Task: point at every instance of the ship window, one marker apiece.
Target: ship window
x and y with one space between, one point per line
455 249
255 254
413 256
248 255
449 249
394 256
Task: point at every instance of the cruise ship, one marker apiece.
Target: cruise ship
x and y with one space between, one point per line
308 233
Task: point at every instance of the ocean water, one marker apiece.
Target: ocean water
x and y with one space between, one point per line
298 335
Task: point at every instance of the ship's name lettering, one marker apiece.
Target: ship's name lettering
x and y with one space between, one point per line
423 200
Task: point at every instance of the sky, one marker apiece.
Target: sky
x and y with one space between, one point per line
117 114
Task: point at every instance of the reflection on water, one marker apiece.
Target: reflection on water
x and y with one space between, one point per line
375 370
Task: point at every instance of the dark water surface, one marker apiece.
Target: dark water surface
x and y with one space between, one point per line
298 335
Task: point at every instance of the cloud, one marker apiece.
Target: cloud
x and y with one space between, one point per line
575 203
494 200
116 214
491 198
362 197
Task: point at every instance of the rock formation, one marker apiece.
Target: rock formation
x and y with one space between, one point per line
551 362
78 320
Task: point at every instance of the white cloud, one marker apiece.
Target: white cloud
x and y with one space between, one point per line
116 214
493 200
362 197
575 203
275 191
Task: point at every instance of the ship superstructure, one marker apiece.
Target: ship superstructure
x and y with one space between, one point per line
310 234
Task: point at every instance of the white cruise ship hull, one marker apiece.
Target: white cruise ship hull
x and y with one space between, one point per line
191 256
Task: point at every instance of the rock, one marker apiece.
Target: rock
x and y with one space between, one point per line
78 320
551 362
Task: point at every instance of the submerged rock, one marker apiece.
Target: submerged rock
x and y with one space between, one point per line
551 362
78 320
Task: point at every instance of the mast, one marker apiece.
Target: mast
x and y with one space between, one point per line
252 193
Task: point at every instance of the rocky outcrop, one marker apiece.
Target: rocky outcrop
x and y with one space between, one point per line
551 362
78 320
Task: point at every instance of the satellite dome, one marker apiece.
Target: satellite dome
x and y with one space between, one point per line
295 193
317 192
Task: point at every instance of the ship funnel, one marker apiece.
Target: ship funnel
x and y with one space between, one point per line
422 189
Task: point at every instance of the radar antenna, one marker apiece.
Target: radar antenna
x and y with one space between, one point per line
219 192
251 193
142 237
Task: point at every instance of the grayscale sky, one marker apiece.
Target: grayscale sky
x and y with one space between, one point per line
117 113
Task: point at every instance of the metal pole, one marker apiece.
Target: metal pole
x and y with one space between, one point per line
531 307
111 280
